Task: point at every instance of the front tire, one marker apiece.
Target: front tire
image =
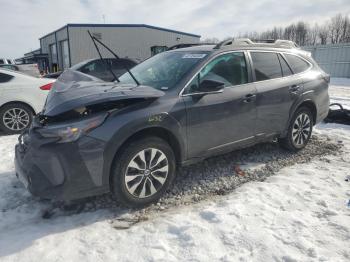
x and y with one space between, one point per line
15 117
299 130
142 171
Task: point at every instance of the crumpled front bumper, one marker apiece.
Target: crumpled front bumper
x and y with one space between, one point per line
60 171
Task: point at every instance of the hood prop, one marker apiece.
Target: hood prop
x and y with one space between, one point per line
94 39
103 61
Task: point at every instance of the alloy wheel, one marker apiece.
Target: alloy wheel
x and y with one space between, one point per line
16 119
146 173
301 130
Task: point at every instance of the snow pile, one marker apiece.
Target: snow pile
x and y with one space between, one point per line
339 91
300 214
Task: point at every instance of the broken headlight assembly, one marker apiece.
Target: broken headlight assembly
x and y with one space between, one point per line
69 132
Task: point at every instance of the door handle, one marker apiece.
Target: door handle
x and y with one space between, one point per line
249 98
294 88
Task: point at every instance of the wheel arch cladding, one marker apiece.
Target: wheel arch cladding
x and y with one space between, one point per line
160 132
310 105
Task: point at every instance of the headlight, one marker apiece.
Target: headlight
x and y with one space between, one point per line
72 131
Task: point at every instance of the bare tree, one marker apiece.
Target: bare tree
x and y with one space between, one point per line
290 32
313 35
301 33
323 34
335 30
345 36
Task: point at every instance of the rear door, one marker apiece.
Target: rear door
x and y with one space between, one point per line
219 121
277 90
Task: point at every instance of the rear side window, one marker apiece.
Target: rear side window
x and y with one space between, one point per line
286 71
297 64
5 78
266 65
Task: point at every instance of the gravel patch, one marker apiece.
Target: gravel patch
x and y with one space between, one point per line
217 176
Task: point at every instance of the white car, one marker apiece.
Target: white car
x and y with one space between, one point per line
21 96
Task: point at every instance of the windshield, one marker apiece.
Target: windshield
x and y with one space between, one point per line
163 71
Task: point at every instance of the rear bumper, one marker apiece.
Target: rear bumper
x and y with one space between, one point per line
60 171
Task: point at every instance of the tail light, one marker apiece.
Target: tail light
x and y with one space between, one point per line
47 86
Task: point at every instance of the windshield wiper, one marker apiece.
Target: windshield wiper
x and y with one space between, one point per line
103 61
117 57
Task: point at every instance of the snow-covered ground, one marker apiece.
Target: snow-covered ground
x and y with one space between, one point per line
299 214
340 91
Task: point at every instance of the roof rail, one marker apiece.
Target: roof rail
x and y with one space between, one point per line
178 46
286 43
267 41
264 42
232 41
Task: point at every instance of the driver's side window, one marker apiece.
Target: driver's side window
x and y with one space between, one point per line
229 69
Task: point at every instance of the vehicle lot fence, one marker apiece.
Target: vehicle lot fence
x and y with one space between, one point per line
333 58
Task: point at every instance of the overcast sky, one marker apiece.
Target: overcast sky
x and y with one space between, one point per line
24 21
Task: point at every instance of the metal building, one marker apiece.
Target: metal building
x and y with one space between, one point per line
334 59
37 57
71 44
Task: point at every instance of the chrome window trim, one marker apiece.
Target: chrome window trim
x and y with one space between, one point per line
204 93
244 51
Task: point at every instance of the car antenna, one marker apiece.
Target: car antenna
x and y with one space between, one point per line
125 67
105 62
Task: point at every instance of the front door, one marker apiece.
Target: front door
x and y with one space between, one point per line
219 121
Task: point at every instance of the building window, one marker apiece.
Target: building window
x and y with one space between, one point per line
158 49
65 54
97 35
53 56
53 53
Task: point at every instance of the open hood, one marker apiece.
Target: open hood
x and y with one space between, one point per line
74 89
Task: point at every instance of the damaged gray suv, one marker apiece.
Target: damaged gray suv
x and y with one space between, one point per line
176 108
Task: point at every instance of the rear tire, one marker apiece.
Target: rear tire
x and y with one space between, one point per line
299 130
142 171
15 117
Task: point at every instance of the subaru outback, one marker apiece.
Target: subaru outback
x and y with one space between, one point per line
174 109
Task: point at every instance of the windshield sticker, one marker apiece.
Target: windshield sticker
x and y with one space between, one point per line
194 56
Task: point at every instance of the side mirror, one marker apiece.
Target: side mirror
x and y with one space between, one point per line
208 86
